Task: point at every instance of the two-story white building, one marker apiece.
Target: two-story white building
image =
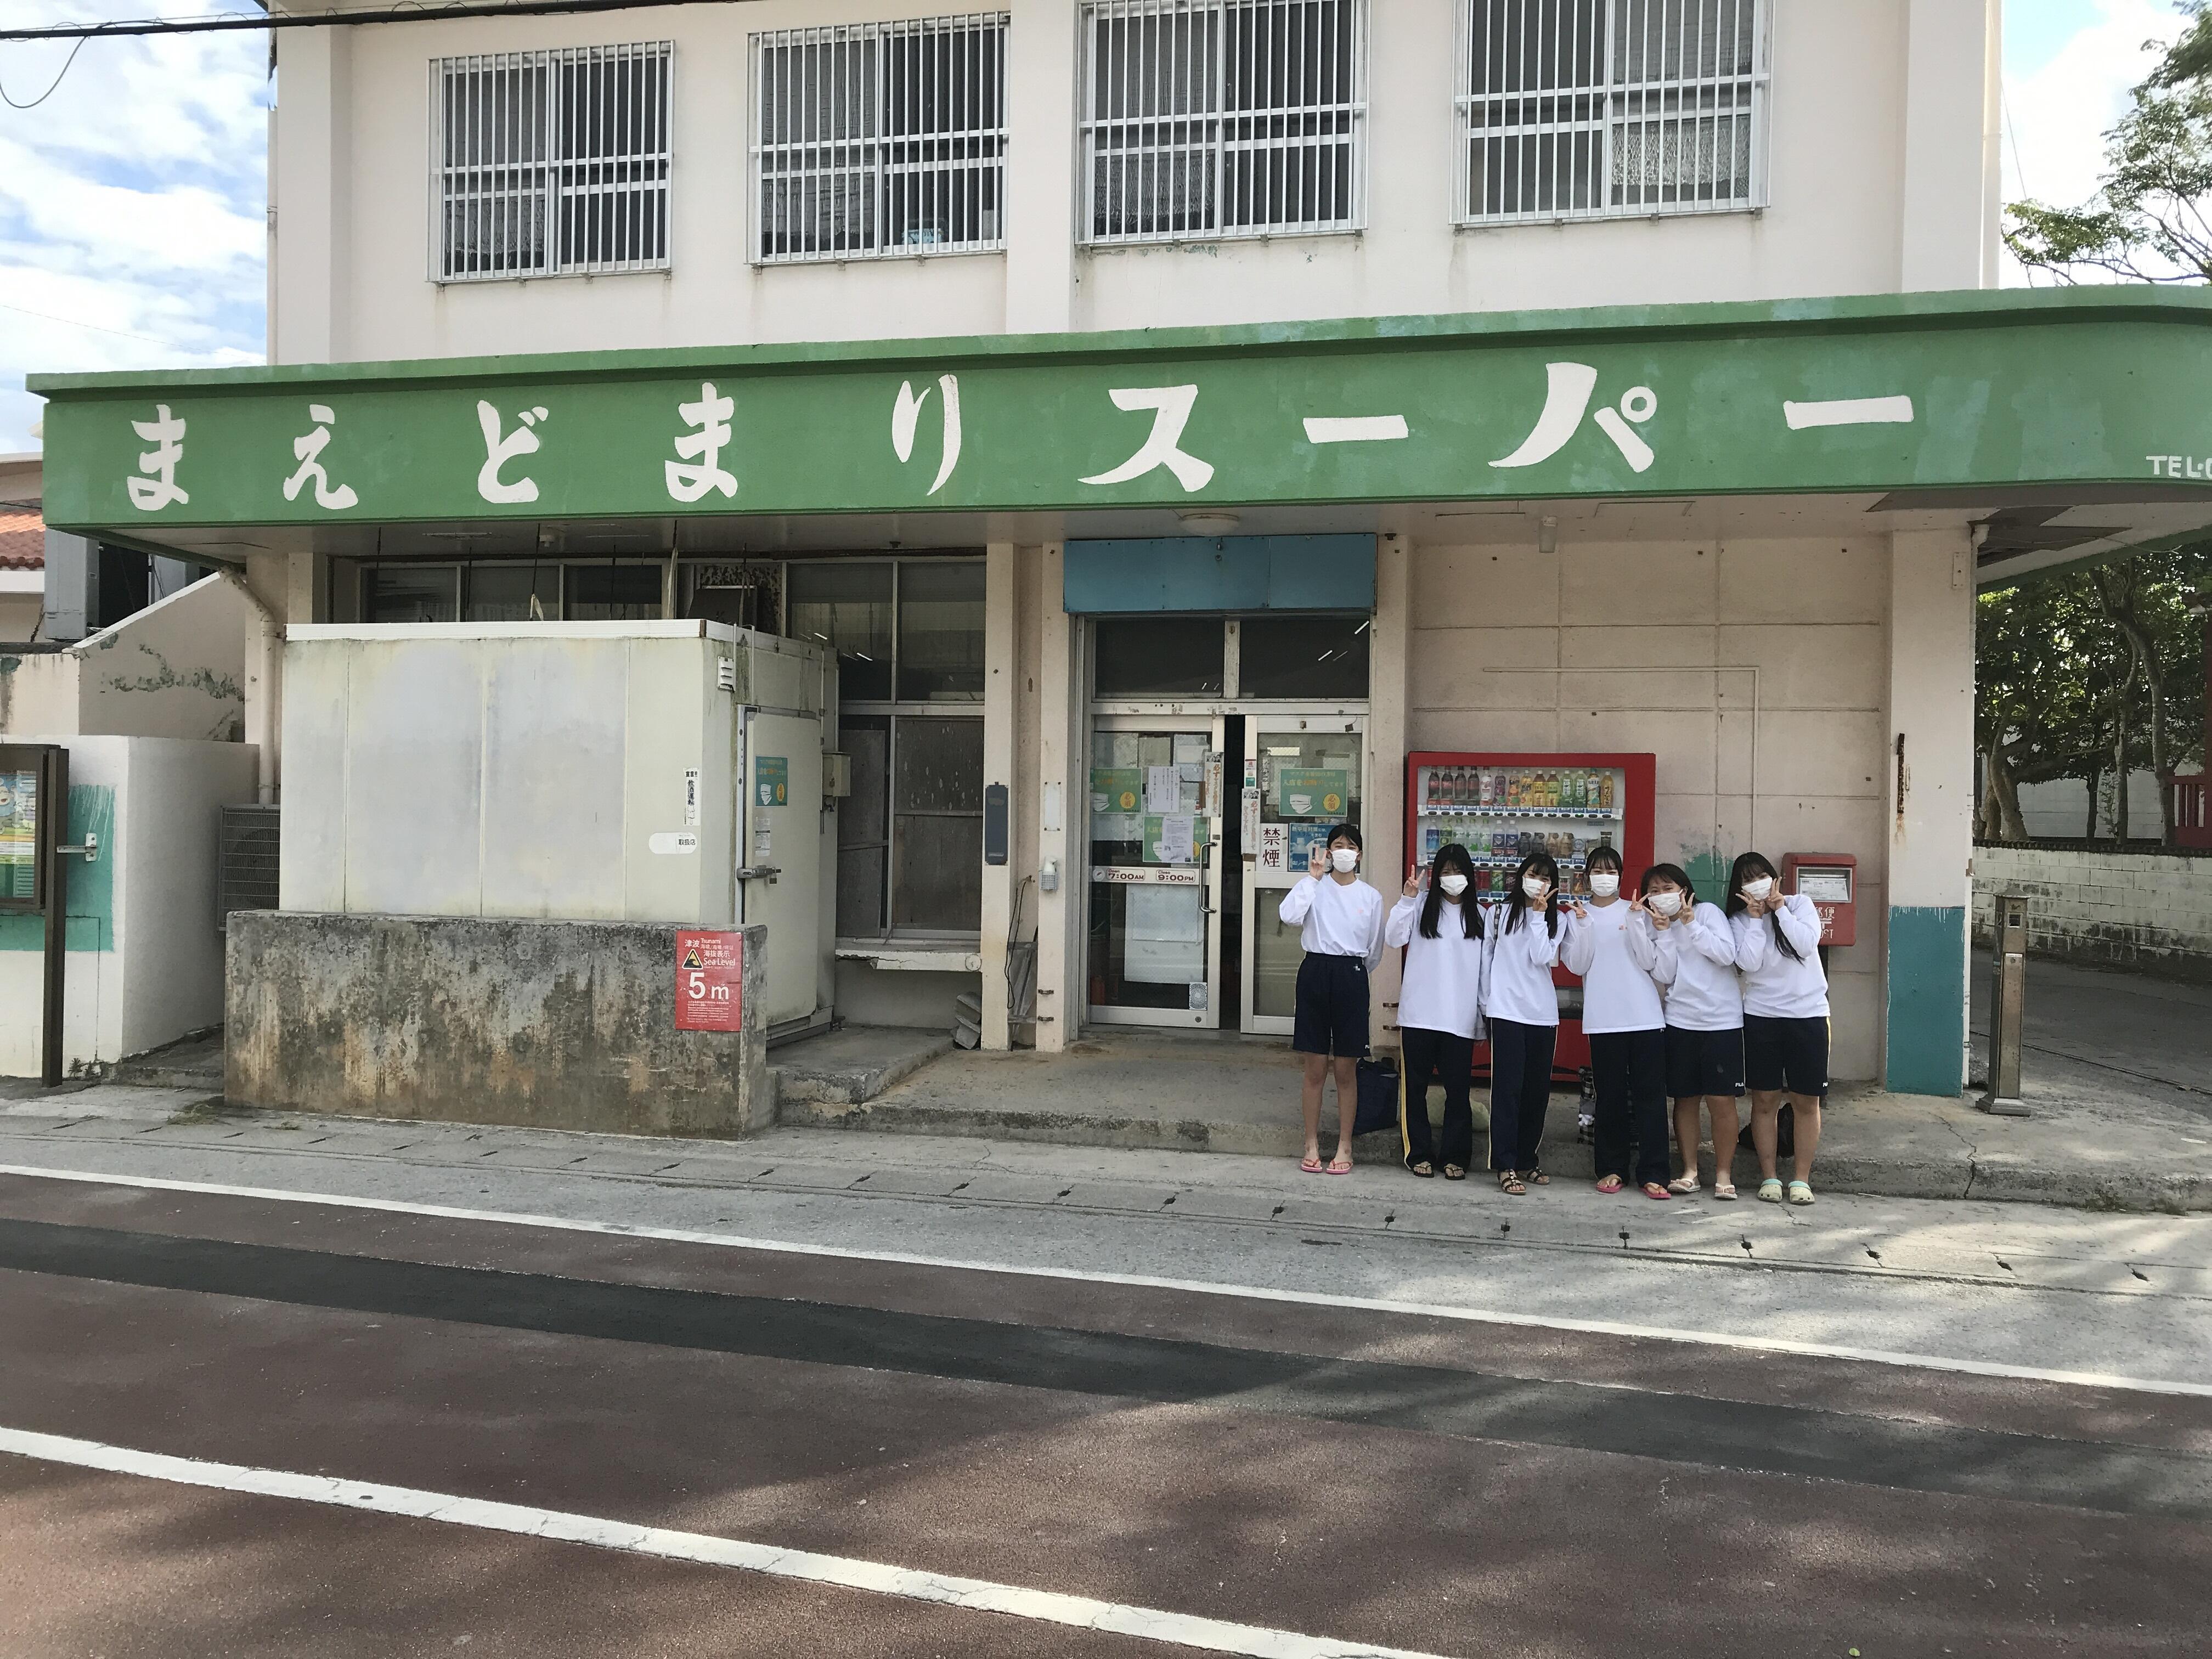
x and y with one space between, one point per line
1175 414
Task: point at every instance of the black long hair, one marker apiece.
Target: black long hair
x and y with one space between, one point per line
1540 864
1470 914
1750 867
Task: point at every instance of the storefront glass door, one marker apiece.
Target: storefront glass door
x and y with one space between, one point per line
1153 955
1302 778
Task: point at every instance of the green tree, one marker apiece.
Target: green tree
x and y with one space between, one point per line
2151 220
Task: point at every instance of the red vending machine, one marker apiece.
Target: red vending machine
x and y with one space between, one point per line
1502 807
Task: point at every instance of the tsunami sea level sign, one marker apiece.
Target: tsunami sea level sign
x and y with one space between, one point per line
710 970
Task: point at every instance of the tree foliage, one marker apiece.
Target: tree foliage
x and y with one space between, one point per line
2151 220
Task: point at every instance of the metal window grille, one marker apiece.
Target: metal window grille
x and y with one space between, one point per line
1209 118
249 839
1591 109
873 140
550 163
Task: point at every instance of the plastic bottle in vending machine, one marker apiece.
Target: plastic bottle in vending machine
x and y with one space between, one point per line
1573 795
1605 790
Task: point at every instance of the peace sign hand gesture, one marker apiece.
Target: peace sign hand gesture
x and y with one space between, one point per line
1416 879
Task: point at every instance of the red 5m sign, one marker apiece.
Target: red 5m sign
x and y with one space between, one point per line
710 971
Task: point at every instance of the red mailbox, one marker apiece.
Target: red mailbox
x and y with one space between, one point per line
1831 880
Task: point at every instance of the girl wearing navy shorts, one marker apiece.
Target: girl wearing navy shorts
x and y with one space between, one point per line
1339 919
1697 975
1785 1017
1439 1004
1523 940
1612 952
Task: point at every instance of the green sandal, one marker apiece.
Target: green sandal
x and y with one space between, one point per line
1769 1190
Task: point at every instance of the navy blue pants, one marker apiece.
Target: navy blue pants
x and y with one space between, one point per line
1629 1070
1331 1014
1519 1091
1448 1059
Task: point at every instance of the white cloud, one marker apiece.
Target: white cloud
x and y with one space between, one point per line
2057 117
132 202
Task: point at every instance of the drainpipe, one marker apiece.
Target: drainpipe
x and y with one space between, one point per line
263 687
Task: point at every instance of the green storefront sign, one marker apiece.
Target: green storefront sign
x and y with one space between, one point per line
2097 387
1306 792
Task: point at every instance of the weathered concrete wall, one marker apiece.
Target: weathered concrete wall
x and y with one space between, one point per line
2149 910
554 1024
174 670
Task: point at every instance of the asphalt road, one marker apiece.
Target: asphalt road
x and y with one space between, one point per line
1228 1473
2097 1034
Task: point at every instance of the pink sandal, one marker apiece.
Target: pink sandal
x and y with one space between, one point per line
1339 1166
1654 1189
1310 1165
1610 1184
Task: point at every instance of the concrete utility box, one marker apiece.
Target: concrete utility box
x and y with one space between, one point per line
620 771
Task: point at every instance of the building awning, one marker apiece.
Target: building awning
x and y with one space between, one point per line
2071 422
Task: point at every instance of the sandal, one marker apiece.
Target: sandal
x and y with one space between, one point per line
1800 1192
1683 1184
1340 1164
1724 1190
1653 1189
1610 1184
1453 1172
1310 1165
1509 1181
1536 1177
1769 1190
1423 1168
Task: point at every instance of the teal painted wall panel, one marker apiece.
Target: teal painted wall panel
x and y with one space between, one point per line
91 916
1927 999
1218 575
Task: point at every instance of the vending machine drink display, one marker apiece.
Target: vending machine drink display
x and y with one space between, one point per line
1502 807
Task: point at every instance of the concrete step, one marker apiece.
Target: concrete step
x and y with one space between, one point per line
190 1062
850 1065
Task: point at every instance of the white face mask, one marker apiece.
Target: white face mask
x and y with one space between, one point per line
1454 884
1665 904
1758 889
1346 860
1604 883
1535 886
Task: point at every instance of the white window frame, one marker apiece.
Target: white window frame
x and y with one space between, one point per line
1224 141
896 178
1599 109
550 184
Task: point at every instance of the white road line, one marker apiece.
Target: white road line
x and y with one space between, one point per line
1354 428
1141 1281
1848 411
970 1594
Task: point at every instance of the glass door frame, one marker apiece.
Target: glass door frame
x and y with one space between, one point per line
1212 727
1260 717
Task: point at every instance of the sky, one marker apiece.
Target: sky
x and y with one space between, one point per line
133 200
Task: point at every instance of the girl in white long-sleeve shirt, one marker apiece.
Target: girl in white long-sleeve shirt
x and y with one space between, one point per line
1439 1004
1340 922
1523 938
1613 950
1785 1017
1697 977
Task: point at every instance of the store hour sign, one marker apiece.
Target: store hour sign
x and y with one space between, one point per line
710 970
1876 393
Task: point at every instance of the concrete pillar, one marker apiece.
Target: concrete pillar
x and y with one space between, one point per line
310 204
1001 674
1952 191
1061 986
1390 640
1929 793
1041 166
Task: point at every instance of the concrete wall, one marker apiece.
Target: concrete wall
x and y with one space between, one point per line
2060 808
554 1024
1880 178
2145 910
22 596
1755 671
145 956
174 670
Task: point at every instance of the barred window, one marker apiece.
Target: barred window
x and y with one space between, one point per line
550 163
1206 119
876 139
1587 109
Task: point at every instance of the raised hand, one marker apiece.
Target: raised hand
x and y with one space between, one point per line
1316 860
1416 879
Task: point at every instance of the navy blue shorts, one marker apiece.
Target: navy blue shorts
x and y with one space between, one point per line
1332 1007
1786 1053
1704 1062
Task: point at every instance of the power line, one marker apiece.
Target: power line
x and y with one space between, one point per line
422 11
53 86
71 322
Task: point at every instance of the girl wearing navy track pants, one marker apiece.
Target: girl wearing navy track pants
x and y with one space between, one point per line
1613 950
1439 1004
1522 942
1785 1017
